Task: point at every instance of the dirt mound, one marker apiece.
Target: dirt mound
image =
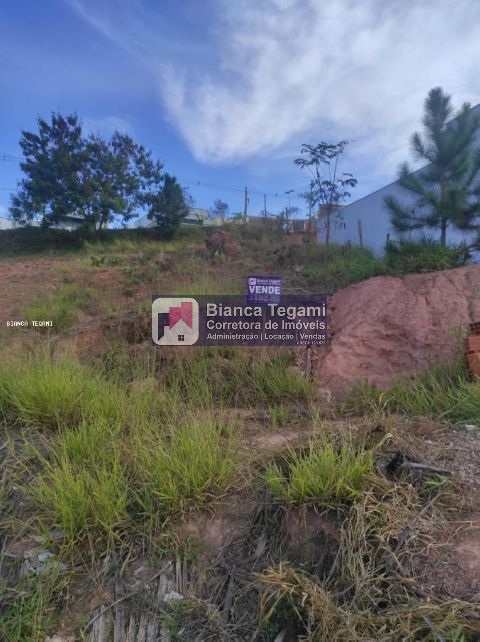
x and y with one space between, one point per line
221 242
386 326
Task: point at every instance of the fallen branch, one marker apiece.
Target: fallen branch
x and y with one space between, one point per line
406 531
120 600
411 465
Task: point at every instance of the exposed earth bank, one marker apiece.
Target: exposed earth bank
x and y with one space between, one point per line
386 327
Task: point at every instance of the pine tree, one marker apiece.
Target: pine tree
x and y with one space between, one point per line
446 191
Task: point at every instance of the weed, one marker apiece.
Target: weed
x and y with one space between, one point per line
279 415
30 612
321 473
442 393
190 464
83 487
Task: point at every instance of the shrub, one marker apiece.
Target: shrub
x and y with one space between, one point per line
424 255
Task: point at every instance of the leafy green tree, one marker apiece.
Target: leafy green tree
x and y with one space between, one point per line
328 188
68 173
168 207
54 162
120 178
446 193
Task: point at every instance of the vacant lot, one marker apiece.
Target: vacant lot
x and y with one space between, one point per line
221 494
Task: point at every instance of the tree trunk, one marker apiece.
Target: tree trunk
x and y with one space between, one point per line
327 228
443 232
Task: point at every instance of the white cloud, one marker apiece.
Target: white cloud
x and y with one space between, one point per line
287 71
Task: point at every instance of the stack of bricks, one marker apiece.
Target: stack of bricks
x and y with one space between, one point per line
472 349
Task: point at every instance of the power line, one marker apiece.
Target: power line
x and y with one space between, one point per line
240 190
226 188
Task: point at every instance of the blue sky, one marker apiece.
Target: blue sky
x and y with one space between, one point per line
225 91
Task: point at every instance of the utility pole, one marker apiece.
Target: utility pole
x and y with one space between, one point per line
288 211
265 205
310 226
245 206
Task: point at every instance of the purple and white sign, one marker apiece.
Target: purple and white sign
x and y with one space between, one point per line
228 320
264 289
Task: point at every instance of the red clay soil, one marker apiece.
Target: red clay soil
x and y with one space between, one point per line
386 326
24 280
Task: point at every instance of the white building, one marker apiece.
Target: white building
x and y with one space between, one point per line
195 216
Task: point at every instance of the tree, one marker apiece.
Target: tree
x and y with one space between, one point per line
220 210
54 162
120 178
445 192
168 206
67 173
329 189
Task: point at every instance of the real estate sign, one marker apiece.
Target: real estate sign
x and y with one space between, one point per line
294 320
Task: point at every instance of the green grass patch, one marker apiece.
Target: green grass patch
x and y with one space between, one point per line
63 307
83 487
30 611
44 393
190 464
323 473
236 376
443 393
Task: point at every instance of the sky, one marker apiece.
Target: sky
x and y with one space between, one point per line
224 92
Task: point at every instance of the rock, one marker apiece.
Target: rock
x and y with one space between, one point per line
173 596
386 327
41 562
60 638
470 427
51 536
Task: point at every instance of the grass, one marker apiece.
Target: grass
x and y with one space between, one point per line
424 255
83 487
98 482
30 611
369 593
328 267
322 473
443 393
236 376
63 307
43 393
192 462
114 452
